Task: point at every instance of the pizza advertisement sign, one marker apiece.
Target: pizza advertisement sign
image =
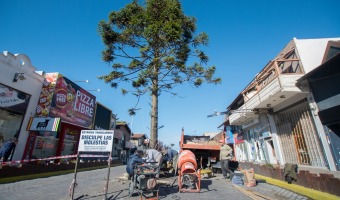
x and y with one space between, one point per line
46 94
72 103
61 98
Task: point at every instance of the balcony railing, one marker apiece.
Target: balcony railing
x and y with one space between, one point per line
275 82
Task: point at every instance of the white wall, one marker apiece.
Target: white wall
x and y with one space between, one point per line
311 51
20 63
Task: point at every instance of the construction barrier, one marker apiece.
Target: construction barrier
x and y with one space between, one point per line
51 158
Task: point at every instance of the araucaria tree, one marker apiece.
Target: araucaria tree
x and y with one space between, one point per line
148 45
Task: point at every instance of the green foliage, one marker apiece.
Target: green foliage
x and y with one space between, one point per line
149 46
157 40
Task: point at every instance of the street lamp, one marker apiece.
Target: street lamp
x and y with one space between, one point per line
159 127
84 81
228 112
162 126
216 113
94 90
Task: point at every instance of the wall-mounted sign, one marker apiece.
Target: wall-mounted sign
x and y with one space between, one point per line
61 98
43 124
13 99
240 136
46 94
96 140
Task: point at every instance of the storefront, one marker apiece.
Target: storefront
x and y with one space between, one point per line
241 148
328 101
64 109
298 135
253 144
13 105
257 142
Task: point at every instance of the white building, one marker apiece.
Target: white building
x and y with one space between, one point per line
20 87
278 118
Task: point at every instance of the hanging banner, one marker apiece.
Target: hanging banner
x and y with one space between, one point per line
229 137
96 140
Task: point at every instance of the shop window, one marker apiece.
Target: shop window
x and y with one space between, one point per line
70 142
45 144
13 105
9 125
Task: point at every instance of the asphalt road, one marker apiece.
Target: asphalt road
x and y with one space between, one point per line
91 186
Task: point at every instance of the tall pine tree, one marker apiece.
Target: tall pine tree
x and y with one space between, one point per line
156 39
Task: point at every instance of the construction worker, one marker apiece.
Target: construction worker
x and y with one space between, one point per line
225 157
152 155
170 155
134 159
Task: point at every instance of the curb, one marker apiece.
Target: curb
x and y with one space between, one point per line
308 192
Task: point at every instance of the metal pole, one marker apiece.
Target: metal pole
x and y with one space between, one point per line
74 182
108 174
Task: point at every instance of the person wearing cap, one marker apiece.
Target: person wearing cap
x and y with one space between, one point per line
134 159
225 157
8 149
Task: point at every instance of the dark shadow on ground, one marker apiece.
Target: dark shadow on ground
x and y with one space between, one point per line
205 186
261 181
172 189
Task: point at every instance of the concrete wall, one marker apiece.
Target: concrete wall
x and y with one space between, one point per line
20 63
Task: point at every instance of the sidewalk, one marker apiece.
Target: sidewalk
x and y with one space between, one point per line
310 193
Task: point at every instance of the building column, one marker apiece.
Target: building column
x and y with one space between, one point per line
321 132
276 140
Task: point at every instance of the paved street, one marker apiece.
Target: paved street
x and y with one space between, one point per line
91 186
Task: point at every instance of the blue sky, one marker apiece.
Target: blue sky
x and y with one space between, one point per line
61 36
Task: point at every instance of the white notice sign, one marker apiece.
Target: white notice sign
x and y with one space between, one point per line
96 140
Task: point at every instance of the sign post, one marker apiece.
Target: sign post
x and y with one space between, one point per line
74 182
108 174
94 141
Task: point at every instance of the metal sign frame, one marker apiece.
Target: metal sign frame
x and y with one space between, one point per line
92 140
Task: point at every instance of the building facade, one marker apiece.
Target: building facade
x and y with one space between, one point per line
140 141
122 140
277 119
47 111
327 75
20 86
63 110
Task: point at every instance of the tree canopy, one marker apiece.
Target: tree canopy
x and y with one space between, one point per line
149 45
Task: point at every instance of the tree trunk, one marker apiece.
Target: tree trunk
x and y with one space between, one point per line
154 121
154 107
